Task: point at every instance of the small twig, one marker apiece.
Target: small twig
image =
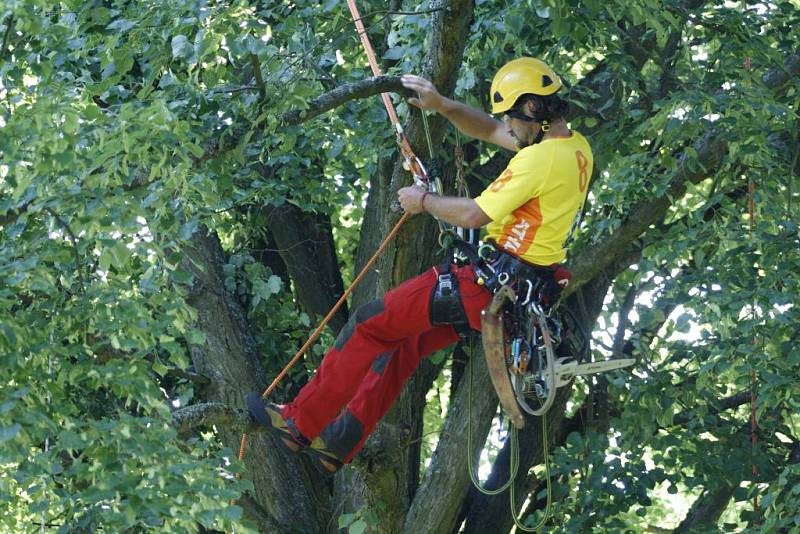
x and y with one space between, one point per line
197 379
262 89
234 89
73 240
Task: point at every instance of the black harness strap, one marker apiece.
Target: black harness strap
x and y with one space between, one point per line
446 307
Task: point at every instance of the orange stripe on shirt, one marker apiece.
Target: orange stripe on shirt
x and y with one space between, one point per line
517 237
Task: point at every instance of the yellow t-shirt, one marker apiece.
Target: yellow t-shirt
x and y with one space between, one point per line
537 200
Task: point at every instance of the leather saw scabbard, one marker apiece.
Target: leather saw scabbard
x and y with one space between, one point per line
494 351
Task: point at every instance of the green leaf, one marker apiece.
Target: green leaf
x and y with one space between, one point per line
179 46
393 53
9 432
188 228
345 520
195 150
160 368
274 284
357 527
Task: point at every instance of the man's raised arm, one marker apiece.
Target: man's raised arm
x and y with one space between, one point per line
470 121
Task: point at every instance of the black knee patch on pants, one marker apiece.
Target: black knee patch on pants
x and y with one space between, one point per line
367 311
342 436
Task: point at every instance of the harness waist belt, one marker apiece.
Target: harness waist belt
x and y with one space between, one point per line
496 268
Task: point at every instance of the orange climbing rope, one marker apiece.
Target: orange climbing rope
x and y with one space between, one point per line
413 164
315 335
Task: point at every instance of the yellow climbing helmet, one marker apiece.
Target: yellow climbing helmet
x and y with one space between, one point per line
525 75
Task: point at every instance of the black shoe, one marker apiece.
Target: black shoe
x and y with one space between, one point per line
267 416
325 460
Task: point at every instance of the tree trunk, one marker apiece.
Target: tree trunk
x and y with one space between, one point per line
305 242
412 251
706 510
230 359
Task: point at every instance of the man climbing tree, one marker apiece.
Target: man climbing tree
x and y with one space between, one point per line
529 212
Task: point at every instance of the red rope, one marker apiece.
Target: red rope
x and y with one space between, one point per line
751 209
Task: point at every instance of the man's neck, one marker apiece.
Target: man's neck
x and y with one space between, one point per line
557 129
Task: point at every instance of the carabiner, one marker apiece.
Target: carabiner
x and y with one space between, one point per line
528 295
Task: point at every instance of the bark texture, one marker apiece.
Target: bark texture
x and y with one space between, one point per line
304 241
230 359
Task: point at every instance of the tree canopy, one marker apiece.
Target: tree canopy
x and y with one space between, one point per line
186 187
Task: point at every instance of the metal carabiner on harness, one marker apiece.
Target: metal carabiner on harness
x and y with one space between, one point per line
528 294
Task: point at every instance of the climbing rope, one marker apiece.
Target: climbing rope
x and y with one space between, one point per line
412 162
751 209
315 335
513 462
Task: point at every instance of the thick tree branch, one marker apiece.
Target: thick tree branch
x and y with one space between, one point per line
707 509
305 243
342 94
208 413
594 258
438 500
710 150
715 407
315 107
775 79
230 358
622 320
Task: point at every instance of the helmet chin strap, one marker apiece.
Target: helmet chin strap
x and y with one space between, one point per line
544 127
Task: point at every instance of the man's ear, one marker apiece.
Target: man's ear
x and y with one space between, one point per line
531 105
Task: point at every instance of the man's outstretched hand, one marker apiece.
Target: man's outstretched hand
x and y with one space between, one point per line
428 96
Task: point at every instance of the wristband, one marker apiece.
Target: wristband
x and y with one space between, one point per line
422 201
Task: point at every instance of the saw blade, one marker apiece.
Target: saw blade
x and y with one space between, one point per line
602 367
594 367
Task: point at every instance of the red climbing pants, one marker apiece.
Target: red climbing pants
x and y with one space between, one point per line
375 353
